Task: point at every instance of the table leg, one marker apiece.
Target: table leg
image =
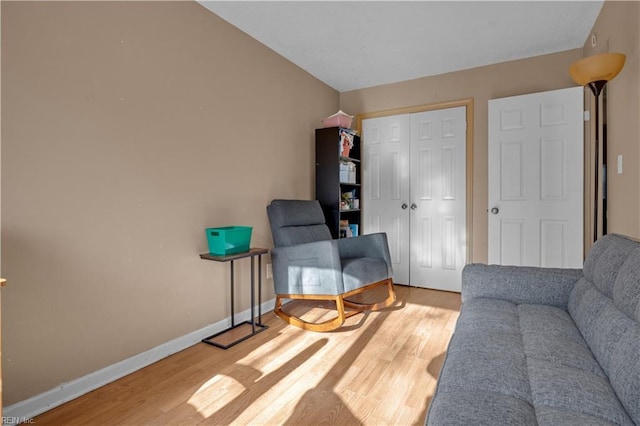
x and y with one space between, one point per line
253 301
260 289
232 301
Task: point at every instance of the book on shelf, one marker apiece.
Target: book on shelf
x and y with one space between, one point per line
348 229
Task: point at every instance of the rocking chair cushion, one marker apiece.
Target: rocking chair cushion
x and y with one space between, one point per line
311 268
294 235
362 271
297 222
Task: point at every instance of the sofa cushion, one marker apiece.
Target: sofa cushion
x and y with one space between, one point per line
558 416
550 335
625 372
605 259
479 409
600 322
604 306
564 375
480 381
562 389
626 291
519 284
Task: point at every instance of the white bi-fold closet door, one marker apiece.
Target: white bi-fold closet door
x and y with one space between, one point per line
414 189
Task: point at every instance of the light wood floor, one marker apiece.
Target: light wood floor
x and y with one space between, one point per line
380 368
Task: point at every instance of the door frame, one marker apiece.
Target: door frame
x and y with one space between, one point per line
468 103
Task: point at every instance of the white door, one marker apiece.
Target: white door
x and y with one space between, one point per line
414 189
536 179
438 198
385 164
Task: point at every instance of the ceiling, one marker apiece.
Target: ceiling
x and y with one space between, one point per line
356 44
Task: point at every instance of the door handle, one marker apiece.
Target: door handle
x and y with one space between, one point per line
404 206
495 210
414 206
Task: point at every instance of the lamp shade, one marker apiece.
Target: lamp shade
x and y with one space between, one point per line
602 67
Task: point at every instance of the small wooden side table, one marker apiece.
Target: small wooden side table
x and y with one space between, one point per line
256 326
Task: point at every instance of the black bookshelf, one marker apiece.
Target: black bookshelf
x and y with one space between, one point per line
329 185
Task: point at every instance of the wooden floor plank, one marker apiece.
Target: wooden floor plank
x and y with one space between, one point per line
379 368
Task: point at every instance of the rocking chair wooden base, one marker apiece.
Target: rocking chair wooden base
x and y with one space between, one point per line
340 301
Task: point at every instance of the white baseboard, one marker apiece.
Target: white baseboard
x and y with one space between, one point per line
25 411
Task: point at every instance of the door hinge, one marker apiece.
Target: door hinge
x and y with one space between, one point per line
587 115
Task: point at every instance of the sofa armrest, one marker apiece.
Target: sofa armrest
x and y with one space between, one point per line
311 268
367 245
519 284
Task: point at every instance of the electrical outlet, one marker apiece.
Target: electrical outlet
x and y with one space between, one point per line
269 271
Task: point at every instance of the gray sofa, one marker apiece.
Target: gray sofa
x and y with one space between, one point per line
546 346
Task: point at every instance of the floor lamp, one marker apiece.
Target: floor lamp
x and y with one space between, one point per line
595 71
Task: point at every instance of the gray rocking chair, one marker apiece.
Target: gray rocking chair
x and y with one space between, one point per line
309 264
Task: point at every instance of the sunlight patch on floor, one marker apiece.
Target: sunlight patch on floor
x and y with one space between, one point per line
217 392
270 374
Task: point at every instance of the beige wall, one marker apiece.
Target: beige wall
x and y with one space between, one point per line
128 128
537 74
617 29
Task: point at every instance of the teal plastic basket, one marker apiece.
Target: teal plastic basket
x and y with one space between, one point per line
229 240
